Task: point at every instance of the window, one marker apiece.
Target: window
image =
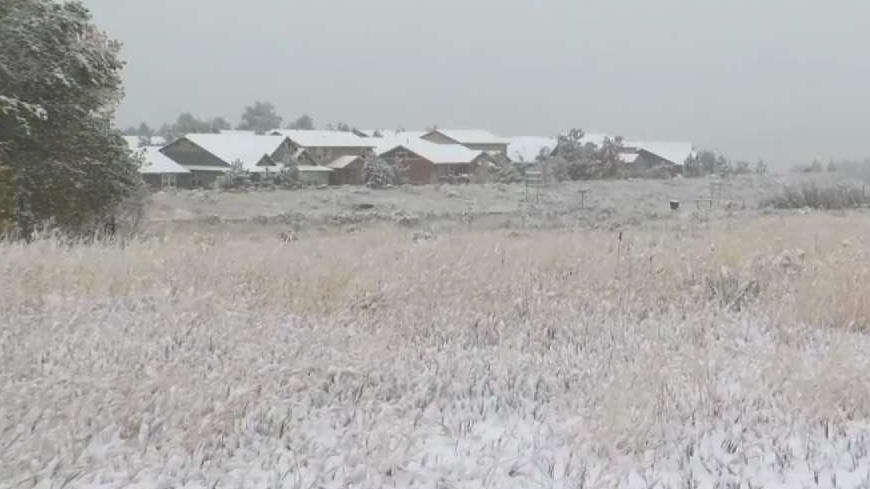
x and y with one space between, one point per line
195 180
167 180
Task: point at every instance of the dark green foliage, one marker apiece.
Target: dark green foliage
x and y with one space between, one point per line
575 160
62 162
741 168
260 117
305 123
708 163
187 123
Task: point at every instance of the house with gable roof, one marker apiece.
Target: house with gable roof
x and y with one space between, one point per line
207 156
475 139
429 162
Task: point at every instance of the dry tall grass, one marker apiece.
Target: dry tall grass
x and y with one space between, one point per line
556 359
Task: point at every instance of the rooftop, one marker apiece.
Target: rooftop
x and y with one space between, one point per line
525 149
324 139
436 153
230 147
675 152
156 162
471 136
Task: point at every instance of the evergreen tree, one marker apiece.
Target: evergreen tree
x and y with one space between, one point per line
61 160
260 117
305 123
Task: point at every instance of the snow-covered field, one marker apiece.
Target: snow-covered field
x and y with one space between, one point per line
727 356
555 205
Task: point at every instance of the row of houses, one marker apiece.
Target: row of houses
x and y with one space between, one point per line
337 158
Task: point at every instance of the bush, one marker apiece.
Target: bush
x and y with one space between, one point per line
809 195
379 173
288 176
236 178
506 173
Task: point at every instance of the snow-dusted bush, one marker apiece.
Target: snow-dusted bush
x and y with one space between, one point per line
236 178
379 173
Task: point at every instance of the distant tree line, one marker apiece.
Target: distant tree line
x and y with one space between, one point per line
710 163
817 166
260 117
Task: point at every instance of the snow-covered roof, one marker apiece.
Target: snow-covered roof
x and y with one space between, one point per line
342 161
324 139
238 146
628 157
675 152
371 133
527 148
440 154
471 136
313 168
156 162
134 142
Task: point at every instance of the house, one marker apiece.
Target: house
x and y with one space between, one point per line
527 149
324 147
207 156
429 162
314 175
158 171
653 154
347 170
474 139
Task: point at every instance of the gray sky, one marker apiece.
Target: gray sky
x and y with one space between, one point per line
783 80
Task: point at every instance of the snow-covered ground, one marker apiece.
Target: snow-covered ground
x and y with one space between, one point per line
732 356
553 205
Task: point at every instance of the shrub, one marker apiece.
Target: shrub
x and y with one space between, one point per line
379 173
236 178
288 176
810 195
506 173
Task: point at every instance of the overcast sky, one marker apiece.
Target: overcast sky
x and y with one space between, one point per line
783 80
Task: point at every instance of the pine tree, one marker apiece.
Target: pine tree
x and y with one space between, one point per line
62 162
260 117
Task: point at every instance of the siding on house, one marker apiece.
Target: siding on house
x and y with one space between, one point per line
314 175
420 171
346 170
323 155
488 147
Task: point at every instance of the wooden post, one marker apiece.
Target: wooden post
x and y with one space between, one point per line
583 192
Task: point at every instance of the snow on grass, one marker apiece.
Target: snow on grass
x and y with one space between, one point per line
472 360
